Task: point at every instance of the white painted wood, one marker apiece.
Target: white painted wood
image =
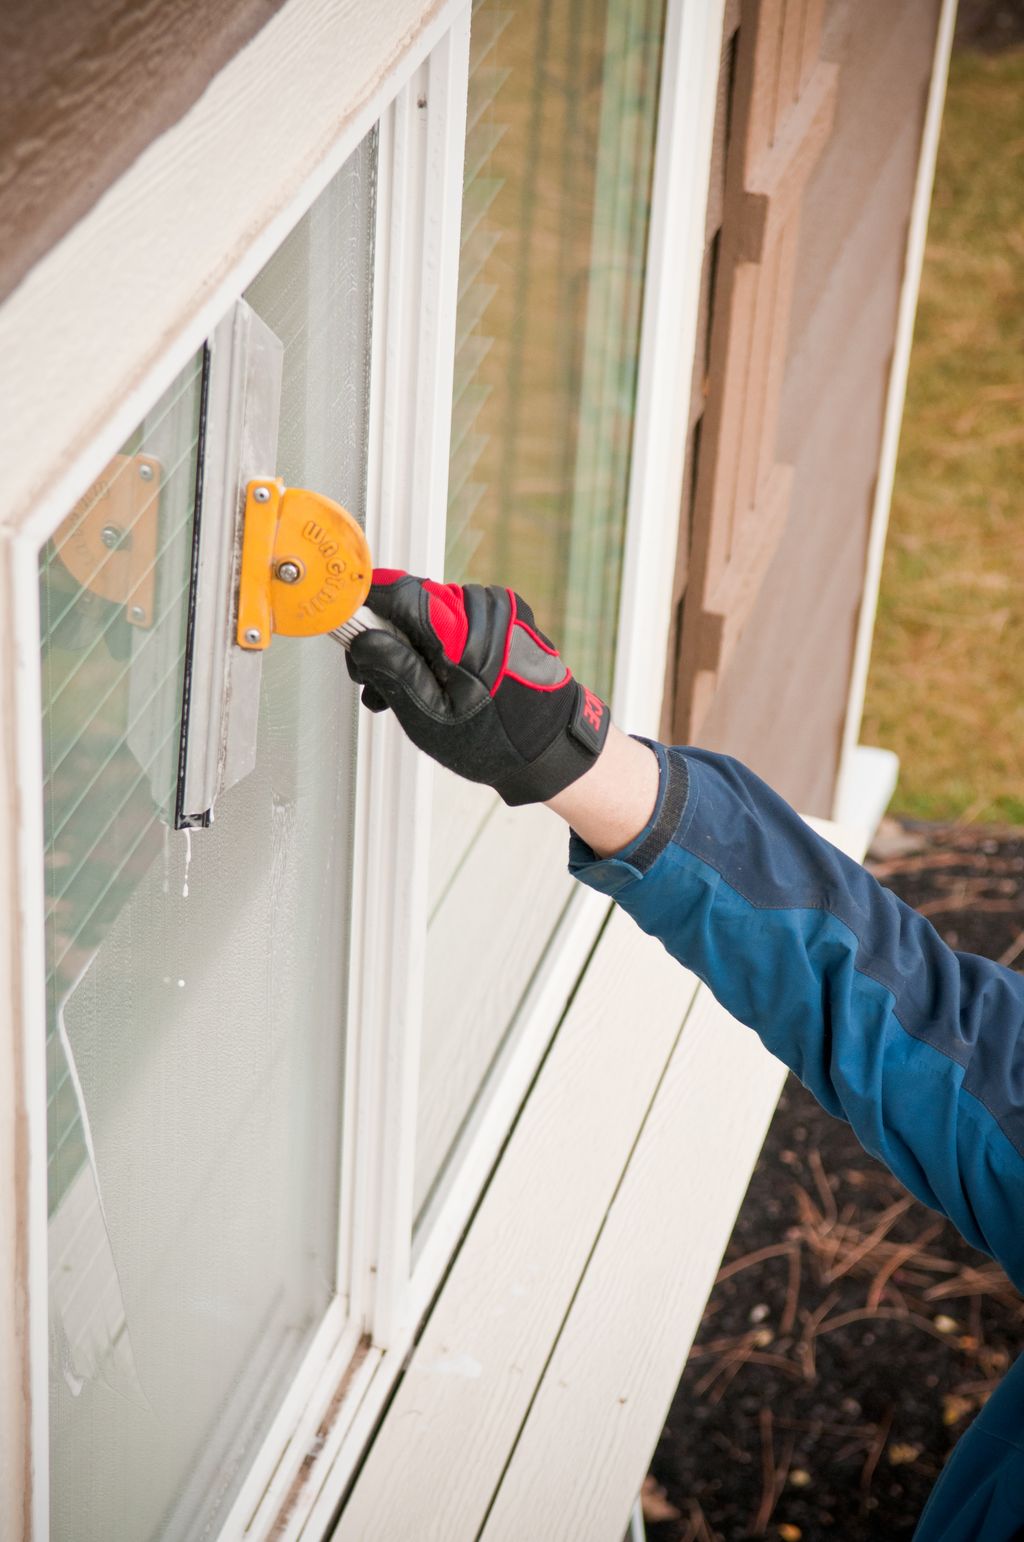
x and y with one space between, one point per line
604 1396
293 1430
434 1466
895 398
682 162
345 1437
381 759
341 1436
420 156
106 320
432 1470
15 1336
483 945
867 788
443 1221
24 1506
606 1390
452 1054
460 811
15 1364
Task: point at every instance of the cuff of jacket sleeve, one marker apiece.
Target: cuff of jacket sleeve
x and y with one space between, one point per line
610 875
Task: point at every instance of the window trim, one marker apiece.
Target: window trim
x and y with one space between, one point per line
93 400
419 213
682 164
682 155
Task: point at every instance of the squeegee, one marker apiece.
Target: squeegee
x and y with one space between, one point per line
268 560
306 567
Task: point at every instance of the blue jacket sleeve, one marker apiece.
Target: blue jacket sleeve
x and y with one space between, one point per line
919 1047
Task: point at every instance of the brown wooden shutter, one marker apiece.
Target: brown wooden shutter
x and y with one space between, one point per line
782 108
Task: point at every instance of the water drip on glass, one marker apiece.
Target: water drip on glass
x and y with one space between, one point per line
188 862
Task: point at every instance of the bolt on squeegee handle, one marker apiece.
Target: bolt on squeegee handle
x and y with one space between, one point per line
364 620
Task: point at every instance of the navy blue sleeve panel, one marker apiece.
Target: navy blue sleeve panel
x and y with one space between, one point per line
979 1496
919 1047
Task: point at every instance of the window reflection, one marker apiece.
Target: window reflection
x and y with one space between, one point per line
562 109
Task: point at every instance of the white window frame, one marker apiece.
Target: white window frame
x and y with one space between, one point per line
671 293
92 400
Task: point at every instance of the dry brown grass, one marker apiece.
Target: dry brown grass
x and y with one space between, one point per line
946 690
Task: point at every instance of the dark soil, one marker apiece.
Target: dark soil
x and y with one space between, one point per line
852 1333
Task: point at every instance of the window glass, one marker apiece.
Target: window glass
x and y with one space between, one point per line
559 155
195 979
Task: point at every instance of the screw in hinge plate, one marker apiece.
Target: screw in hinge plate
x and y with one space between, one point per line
253 634
146 472
111 536
137 613
289 572
261 494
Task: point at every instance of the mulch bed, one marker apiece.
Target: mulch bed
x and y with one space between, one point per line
852 1334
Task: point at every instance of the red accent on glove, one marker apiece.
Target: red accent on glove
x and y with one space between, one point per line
593 710
447 612
388 575
508 643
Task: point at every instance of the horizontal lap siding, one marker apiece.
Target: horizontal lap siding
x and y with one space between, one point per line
86 89
779 706
448 1435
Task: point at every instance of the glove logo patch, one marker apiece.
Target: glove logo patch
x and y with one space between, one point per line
589 722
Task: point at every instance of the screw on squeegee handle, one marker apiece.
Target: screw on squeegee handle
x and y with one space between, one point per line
364 620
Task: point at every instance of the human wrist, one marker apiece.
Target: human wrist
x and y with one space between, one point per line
609 805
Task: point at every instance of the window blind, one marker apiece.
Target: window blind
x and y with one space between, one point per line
111 711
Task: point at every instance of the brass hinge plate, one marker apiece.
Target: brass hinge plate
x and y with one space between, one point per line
110 547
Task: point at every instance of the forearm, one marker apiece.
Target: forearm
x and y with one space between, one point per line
613 801
920 1048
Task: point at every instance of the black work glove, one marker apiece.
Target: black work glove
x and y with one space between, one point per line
480 688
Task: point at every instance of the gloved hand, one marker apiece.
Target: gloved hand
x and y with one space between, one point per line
480 688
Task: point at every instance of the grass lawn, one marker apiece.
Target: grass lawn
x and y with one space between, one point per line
946 689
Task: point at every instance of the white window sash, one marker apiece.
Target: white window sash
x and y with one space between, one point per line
675 251
668 331
421 137
420 159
